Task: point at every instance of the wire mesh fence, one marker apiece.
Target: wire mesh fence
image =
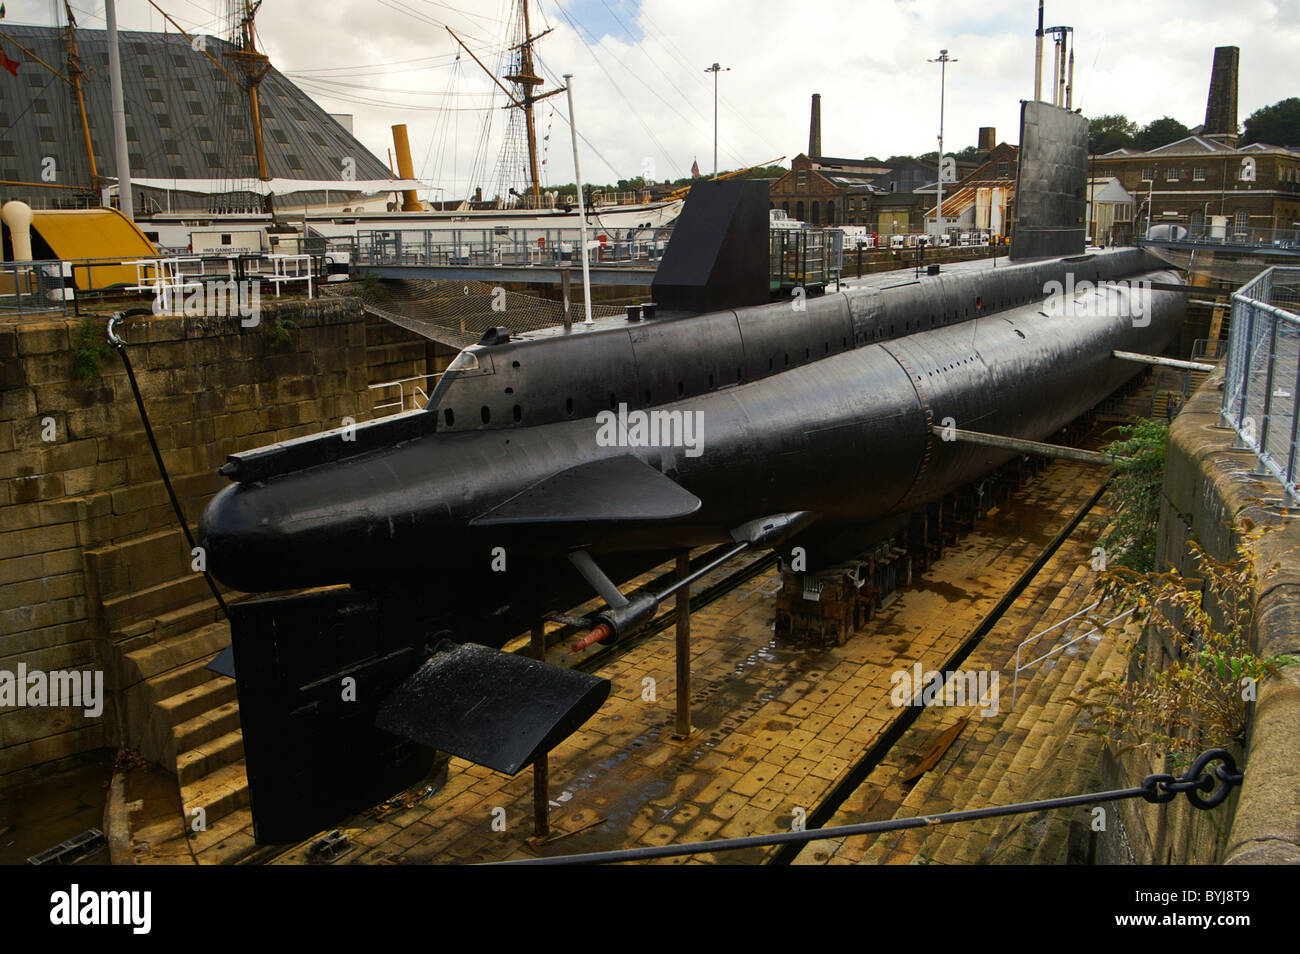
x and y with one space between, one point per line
1261 386
457 313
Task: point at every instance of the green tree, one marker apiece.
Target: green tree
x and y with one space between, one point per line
1276 125
1160 132
1110 132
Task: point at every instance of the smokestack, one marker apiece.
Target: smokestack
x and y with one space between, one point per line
1038 56
815 127
1221 108
405 168
988 140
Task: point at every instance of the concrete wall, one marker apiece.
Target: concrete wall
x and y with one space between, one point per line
90 553
1207 486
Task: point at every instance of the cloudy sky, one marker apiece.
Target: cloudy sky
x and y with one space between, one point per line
644 101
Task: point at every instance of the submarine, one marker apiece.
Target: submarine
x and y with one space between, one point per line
550 465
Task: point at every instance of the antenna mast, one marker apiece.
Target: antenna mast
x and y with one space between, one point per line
526 81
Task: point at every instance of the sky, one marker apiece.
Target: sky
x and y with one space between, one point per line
644 101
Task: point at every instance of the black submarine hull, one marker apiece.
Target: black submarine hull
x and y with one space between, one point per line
847 438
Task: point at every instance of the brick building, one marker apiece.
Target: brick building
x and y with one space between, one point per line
1207 175
1193 180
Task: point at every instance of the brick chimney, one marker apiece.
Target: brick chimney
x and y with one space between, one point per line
988 140
1221 109
815 127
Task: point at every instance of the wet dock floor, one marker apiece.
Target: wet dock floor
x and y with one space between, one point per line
775 725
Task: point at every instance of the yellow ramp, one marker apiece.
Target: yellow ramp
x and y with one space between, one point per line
76 234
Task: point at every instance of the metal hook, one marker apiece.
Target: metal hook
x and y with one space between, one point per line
113 339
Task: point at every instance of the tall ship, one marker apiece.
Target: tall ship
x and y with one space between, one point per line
224 145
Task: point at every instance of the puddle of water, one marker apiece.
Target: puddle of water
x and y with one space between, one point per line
39 816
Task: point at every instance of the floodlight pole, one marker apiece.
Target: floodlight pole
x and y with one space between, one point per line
943 61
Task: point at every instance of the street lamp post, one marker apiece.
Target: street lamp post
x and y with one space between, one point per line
943 61
715 69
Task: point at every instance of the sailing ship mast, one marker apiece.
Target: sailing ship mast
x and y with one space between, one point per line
75 73
73 79
254 65
526 80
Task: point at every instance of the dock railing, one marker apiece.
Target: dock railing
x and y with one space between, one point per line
629 248
1230 235
60 286
1261 386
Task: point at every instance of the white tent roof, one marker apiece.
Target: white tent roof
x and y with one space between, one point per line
279 186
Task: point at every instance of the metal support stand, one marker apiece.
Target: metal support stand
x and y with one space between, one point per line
541 796
566 291
541 779
683 728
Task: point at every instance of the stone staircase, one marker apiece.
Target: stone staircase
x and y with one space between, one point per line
165 627
1033 751
1038 749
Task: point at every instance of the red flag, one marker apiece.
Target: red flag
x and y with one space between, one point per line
10 65
695 170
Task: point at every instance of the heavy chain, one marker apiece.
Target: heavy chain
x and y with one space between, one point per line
1219 783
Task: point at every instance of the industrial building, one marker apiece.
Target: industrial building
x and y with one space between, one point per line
885 197
1207 175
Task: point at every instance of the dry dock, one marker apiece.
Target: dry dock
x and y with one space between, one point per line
780 731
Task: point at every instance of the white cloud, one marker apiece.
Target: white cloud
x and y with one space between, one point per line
866 57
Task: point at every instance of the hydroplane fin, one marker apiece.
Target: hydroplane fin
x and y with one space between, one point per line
496 709
614 490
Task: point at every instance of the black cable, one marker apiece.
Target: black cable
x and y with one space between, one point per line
120 345
1156 789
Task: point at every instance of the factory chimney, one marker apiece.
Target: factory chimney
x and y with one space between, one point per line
815 127
1221 109
988 140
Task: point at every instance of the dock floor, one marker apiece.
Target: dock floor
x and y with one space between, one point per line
776 726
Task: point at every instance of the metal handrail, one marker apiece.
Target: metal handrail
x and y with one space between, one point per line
1015 685
400 384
